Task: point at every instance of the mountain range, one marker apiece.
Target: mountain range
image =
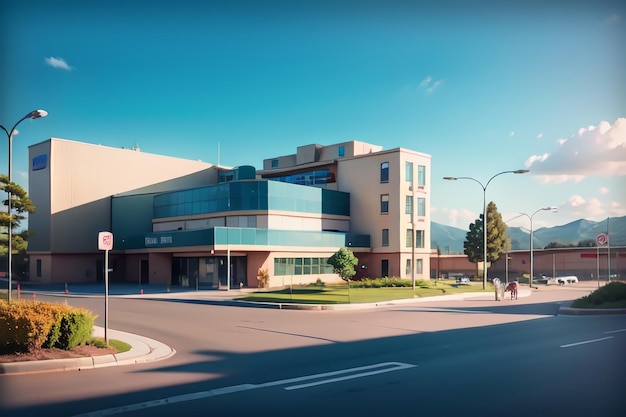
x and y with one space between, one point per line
450 239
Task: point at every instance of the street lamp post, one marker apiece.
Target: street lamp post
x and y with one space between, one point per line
35 114
484 187
553 209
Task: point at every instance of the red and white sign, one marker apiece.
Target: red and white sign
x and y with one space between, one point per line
105 241
602 239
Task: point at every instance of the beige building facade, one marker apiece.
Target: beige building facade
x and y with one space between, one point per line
190 223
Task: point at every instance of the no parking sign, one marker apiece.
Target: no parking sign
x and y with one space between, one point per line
602 239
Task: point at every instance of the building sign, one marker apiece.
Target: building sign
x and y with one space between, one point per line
40 162
158 240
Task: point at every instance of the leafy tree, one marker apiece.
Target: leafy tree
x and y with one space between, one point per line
498 242
20 204
343 262
587 243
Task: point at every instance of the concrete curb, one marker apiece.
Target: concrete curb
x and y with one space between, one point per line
143 350
484 296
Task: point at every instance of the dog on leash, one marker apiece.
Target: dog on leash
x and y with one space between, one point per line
513 288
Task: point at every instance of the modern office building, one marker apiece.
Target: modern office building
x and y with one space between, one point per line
191 223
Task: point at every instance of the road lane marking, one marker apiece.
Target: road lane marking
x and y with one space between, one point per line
586 341
350 373
615 331
396 367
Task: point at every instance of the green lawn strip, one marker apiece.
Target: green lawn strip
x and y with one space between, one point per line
116 344
338 294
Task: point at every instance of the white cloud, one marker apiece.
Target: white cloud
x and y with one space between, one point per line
453 217
594 151
539 136
578 207
511 134
426 81
429 86
603 190
58 63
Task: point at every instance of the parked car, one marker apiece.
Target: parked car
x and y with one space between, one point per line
571 279
463 279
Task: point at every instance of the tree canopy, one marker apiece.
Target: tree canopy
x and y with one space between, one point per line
498 242
343 262
20 203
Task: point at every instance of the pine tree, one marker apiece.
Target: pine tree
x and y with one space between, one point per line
498 242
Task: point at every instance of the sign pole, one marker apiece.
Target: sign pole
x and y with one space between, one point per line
608 249
601 240
106 297
105 243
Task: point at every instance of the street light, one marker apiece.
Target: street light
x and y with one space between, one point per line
35 114
553 209
484 187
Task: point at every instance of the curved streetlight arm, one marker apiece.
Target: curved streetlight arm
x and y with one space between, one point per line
485 222
35 114
553 209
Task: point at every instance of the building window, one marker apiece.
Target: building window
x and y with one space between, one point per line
409 238
419 238
38 267
421 175
384 203
274 163
385 237
384 268
408 267
408 171
384 172
342 151
409 204
419 266
421 206
301 266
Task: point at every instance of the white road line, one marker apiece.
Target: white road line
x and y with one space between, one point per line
615 331
353 373
397 367
587 341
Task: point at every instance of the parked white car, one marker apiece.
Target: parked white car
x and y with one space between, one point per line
570 279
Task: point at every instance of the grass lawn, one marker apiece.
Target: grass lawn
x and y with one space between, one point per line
338 294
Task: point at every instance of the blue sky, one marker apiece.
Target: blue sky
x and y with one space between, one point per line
480 86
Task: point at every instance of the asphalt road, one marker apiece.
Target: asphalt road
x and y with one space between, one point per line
481 358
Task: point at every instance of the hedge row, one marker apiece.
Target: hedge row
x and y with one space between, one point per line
26 326
386 282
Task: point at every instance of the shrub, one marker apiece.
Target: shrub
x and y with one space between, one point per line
27 326
24 325
76 328
382 282
264 278
612 293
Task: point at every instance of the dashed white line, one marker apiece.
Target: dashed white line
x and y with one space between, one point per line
586 341
615 331
323 378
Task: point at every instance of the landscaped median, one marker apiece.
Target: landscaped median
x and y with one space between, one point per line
608 299
360 292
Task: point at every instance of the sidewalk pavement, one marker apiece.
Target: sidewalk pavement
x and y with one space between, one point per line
146 350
